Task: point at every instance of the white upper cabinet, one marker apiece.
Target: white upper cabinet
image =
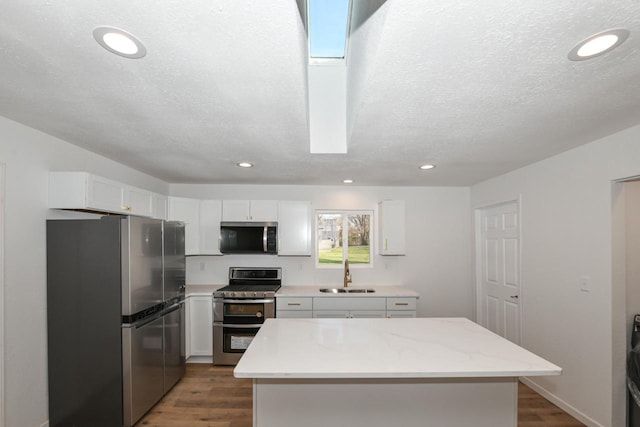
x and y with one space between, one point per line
294 228
250 210
210 215
392 228
202 223
82 190
160 206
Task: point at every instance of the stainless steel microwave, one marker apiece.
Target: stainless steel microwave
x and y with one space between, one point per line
249 237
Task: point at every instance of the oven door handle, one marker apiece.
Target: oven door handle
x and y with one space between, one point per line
224 325
247 301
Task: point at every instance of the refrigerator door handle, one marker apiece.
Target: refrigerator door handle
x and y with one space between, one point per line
143 322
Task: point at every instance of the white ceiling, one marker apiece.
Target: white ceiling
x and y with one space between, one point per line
477 87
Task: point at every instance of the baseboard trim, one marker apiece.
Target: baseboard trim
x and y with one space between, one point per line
575 413
200 359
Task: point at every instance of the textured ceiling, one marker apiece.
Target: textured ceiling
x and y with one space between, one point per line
478 88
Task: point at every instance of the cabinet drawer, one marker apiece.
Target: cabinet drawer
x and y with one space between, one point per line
349 303
294 314
401 303
291 303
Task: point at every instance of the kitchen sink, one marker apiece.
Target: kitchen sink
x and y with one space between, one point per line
346 290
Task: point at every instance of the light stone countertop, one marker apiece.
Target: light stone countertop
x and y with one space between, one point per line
385 348
200 290
314 291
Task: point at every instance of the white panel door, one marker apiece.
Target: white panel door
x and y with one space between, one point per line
499 270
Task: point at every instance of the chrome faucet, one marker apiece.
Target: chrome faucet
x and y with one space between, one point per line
347 274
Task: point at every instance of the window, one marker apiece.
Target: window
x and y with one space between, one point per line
343 235
328 24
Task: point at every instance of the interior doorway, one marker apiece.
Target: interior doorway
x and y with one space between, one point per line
2 310
625 287
498 269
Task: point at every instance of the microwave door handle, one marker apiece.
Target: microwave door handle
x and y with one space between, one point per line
264 239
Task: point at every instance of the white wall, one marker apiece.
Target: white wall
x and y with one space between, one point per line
29 156
438 260
567 233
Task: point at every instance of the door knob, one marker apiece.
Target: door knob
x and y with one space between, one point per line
514 296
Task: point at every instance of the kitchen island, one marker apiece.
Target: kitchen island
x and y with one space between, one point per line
384 372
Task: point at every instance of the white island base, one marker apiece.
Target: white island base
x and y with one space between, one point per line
420 372
484 402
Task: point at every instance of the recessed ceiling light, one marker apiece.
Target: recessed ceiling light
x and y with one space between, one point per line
119 42
598 44
348 181
427 167
244 164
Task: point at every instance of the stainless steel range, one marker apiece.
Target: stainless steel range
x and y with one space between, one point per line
239 310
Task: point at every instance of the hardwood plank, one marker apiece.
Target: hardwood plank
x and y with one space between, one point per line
209 396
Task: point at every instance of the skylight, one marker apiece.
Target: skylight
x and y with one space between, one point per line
328 23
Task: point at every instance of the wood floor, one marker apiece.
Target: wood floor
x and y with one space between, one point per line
209 396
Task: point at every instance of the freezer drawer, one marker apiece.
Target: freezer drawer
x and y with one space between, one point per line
143 368
174 346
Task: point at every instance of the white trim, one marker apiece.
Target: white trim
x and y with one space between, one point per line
580 416
2 310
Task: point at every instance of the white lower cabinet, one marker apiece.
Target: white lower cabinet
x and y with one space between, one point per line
290 308
199 327
349 307
342 307
346 314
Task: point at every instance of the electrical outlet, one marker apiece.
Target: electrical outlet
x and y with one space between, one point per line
585 283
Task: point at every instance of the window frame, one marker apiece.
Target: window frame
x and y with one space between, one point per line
345 237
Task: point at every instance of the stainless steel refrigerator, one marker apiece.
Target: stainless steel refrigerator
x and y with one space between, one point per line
115 313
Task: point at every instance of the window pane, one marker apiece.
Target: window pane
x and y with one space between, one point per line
359 250
328 21
329 239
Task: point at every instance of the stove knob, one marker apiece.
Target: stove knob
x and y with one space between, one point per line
255 294
244 294
234 294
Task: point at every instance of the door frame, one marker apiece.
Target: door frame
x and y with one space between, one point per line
477 260
2 308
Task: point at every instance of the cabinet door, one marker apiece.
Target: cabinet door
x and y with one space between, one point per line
201 325
401 314
367 314
160 206
294 228
235 210
105 194
188 211
391 222
210 214
350 303
330 314
139 202
264 210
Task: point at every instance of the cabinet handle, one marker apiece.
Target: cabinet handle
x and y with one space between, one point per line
126 208
401 303
385 244
293 303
